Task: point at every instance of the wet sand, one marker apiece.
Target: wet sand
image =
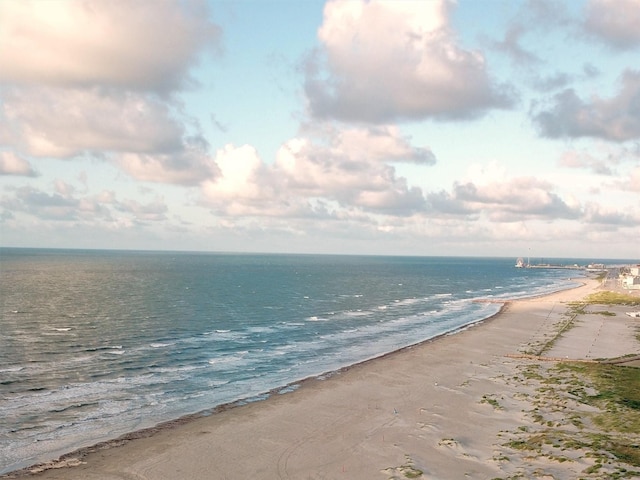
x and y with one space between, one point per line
430 408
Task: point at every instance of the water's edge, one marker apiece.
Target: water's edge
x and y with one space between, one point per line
72 457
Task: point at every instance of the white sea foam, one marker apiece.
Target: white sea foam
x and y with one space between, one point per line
11 369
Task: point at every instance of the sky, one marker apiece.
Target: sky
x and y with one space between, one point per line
433 127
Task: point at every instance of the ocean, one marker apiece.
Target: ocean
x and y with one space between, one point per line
95 344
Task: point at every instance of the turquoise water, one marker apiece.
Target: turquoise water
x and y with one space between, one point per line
94 344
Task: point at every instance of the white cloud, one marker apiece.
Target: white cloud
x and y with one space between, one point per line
12 164
511 46
143 45
86 77
323 174
43 205
388 60
385 144
596 214
191 166
65 204
615 22
50 122
488 192
244 186
575 159
138 132
616 119
340 172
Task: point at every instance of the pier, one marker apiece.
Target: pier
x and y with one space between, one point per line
562 267
520 263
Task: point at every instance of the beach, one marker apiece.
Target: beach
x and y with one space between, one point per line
441 409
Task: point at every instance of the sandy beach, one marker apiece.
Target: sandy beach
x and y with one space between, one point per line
444 409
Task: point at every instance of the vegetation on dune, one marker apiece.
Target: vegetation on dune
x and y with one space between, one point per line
618 395
407 470
607 434
611 298
491 400
583 413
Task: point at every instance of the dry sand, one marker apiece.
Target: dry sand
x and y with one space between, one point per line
445 408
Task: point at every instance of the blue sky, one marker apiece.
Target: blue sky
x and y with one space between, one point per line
497 128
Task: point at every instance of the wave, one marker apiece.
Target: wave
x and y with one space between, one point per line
104 347
72 407
11 369
145 362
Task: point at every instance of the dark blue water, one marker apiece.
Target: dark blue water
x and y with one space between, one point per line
94 344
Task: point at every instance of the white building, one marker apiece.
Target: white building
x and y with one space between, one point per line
631 280
631 283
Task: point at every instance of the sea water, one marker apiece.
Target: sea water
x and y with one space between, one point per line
95 344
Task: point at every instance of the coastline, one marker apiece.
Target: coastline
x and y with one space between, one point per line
70 459
392 412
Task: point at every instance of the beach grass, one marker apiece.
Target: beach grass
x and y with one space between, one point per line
611 298
617 397
606 431
407 470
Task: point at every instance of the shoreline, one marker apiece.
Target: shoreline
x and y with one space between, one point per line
62 461
324 385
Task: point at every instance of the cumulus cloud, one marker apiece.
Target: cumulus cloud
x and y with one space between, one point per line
384 143
46 206
598 214
141 45
614 22
615 119
138 132
603 159
189 166
66 204
86 77
324 174
489 192
64 123
315 170
511 46
12 164
584 160
245 185
393 60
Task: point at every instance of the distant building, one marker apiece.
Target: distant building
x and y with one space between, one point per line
631 280
596 267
